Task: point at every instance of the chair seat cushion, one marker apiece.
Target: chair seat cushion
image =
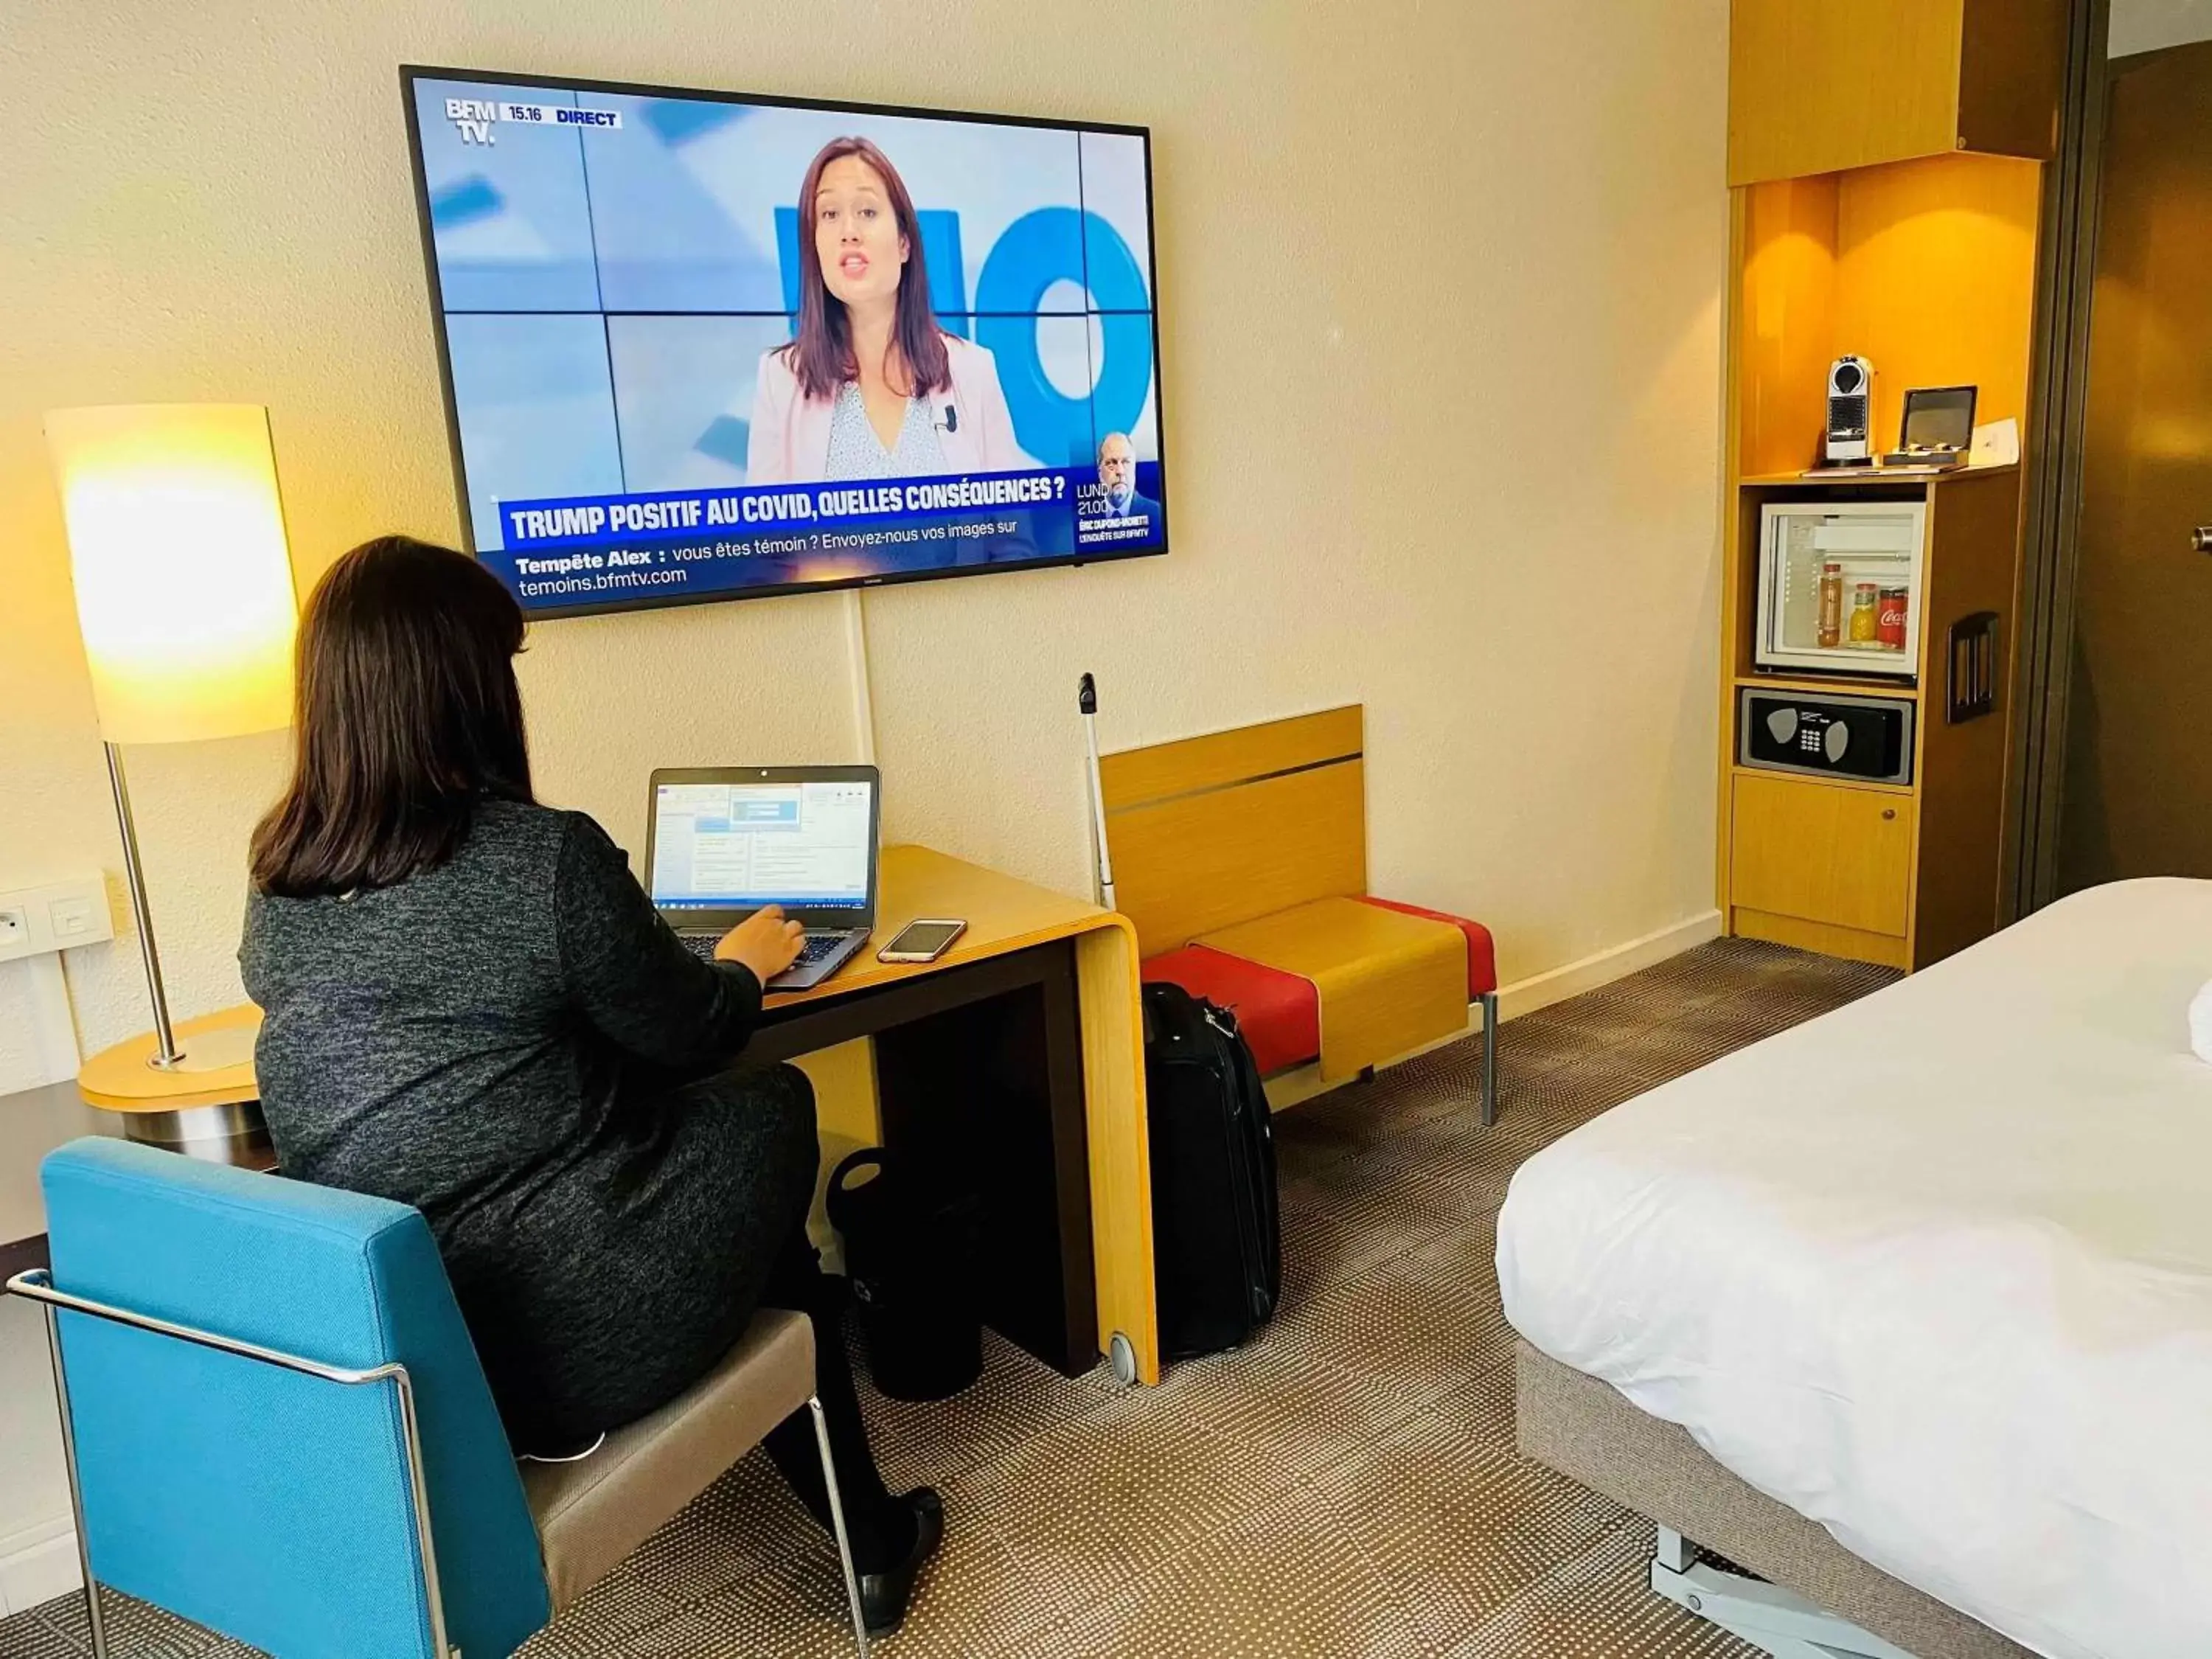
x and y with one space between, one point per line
1481 950
1280 1013
591 1513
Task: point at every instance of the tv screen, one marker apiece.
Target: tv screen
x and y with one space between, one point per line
698 346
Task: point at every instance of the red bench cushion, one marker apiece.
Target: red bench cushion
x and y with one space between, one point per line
1481 951
1280 1013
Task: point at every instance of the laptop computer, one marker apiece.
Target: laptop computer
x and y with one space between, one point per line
722 842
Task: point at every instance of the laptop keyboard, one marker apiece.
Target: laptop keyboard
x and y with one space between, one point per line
812 948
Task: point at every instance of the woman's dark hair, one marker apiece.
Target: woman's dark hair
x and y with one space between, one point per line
406 715
821 356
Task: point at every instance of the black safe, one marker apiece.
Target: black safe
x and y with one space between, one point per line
1828 736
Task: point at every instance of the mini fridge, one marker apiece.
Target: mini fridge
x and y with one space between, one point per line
1867 556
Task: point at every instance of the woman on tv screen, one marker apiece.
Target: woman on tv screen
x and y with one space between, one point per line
871 387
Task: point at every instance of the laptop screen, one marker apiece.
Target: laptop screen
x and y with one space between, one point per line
739 846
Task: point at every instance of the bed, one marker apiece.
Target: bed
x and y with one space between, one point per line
1933 1272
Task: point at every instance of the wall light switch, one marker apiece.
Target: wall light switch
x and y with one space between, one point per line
14 927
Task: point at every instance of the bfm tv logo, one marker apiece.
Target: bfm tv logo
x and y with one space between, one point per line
473 117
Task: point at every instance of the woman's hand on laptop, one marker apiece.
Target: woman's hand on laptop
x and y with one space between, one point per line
763 942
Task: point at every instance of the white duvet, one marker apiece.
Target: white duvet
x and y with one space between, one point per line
1936 1270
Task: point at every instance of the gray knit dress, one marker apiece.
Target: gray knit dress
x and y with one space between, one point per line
516 1044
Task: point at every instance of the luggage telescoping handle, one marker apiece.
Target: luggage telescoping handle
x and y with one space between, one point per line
1086 699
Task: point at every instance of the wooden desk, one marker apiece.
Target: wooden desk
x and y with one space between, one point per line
1074 1052
1023 1045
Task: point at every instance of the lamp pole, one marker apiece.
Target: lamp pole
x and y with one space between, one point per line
141 915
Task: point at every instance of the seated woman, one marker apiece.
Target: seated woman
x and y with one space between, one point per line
472 1007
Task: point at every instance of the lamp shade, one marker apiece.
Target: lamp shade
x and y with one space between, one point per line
183 581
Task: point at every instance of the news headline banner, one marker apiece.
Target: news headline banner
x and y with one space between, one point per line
583 550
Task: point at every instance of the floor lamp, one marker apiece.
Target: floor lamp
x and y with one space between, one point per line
185 597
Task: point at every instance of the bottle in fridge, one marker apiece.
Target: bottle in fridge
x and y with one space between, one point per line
1866 619
1830 629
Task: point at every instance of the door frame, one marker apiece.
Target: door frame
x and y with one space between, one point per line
2049 573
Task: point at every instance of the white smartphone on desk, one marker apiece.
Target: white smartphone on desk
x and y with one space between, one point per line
924 940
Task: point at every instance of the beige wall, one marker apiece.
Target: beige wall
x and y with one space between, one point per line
1440 336
2148 25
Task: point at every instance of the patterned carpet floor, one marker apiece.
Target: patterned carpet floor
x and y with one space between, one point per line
1347 1485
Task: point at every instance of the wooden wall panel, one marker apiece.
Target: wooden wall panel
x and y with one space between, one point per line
1210 831
1787 310
1815 87
1195 863
2012 62
1973 537
1935 279
1218 759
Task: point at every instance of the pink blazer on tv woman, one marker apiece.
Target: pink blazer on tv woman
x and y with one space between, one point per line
790 439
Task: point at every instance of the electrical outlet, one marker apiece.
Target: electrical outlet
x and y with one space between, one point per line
35 921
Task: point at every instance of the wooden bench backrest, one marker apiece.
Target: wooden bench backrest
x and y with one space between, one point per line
1210 831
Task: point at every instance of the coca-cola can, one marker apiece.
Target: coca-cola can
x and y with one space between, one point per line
1889 617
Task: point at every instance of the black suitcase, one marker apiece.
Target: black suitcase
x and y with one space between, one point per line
1217 1236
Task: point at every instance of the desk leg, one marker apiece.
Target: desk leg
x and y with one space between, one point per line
1071 1161
1107 988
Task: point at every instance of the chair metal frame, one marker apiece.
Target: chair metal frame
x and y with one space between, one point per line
1489 1002
37 1285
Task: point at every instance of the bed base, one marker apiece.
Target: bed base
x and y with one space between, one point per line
1816 1594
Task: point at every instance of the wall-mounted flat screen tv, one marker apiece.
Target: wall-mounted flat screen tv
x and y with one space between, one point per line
700 346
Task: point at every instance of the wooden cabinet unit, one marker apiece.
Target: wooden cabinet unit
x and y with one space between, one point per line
1816 88
1898 873
1886 157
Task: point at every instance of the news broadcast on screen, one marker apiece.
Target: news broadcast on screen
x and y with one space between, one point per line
663 318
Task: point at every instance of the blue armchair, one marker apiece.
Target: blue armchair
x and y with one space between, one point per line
277 1426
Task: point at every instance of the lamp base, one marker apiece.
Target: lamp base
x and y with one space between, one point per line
210 1051
235 1134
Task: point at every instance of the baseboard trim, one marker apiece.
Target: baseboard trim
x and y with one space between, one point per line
1602 967
37 1564
1525 996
